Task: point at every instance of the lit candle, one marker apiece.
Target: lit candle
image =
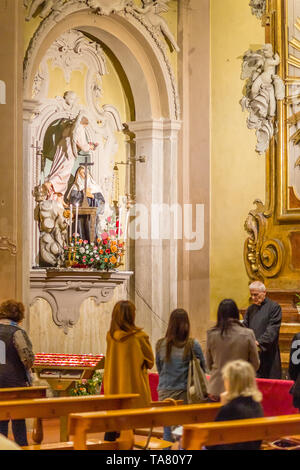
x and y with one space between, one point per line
71 215
76 220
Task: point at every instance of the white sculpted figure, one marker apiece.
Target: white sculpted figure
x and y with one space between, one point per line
53 228
46 9
263 88
150 11
73 140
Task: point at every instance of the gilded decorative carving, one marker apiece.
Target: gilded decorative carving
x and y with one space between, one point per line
263 257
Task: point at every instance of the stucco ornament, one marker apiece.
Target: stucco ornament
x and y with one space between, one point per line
47 6
151 15
53 228
263 89
258 8
106 7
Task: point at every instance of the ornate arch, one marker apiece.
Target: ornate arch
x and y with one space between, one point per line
137 45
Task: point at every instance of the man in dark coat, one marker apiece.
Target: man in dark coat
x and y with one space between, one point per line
264 318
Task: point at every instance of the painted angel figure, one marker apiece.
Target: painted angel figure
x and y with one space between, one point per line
46 9
73 142
263 89
151 11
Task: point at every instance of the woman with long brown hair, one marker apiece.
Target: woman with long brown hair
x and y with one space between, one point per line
128 355
173 355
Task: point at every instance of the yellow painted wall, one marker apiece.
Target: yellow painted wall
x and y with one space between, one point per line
237 171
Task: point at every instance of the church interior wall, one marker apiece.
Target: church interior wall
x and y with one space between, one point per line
237 171
89 333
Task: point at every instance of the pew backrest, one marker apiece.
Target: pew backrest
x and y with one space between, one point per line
242 430
80 424
57 407
22 393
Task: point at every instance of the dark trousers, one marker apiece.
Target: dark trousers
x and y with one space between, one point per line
18 429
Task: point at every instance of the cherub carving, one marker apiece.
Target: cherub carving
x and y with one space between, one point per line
53 228
258 7
48 6
151 11
263 88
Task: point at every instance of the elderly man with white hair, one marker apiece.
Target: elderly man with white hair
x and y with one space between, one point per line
264 318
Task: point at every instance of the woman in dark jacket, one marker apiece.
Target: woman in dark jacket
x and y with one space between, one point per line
241 400
16 360
294 370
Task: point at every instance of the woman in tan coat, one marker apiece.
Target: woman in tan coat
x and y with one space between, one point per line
128 356
229 340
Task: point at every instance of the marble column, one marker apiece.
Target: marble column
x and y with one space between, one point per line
156 252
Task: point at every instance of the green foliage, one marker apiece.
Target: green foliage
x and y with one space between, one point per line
88 386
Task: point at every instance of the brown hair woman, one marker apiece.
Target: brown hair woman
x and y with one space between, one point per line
128 355
173 354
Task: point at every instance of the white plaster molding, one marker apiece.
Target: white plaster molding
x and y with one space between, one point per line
150 32
263 89
258 8
70 52
2 92
66 289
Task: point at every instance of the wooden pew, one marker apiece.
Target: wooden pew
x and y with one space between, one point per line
25 393
44 408
242 430
22 393
80 424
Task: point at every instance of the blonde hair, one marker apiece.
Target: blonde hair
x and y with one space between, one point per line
241 380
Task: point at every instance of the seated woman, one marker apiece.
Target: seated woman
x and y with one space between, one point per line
19 358
241 400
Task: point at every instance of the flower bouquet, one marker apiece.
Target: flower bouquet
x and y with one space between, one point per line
104 255
88 386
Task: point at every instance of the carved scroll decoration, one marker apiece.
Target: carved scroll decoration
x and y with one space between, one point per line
263 257
7 244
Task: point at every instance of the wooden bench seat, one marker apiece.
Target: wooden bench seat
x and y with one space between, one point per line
156 443
242 430
43 408
80 424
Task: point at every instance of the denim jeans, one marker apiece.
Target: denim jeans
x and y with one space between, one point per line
176 395
18 429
